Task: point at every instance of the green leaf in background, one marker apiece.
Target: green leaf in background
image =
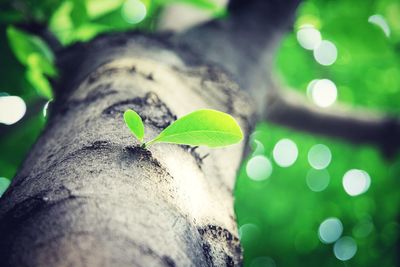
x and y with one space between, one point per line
34 53
202 127
97 8
24 44
61 24
79 13
82 20
39 82
209 5
134 123
38 62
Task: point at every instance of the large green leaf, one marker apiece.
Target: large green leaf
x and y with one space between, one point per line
134 123
202 127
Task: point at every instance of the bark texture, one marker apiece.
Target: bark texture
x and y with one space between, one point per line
88 195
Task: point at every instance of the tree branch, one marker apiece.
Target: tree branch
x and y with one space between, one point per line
359 126
246 43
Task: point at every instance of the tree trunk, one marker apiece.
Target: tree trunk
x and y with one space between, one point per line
88 195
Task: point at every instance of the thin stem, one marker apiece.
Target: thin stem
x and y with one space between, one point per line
149 143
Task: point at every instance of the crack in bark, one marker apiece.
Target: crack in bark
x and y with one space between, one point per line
150 108
212 235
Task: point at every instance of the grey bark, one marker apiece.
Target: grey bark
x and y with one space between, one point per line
88 195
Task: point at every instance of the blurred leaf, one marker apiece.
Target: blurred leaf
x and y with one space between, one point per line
203 4
113 21
61 24
40 83
70 27
12 71
24 44
97 8
79 14
34 53
38 62
209 5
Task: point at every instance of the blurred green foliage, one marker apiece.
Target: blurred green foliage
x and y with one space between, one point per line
278 217
32 52
367 70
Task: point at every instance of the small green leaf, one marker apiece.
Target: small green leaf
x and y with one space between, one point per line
134 123
202 127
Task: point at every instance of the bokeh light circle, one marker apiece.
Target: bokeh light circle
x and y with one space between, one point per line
381 22
12 109
319 156
345 248
355 182
317 180
330 230
133 11
363 228
258 147
308 37
324 93
285 152
325 53
259 168
248 233
310 87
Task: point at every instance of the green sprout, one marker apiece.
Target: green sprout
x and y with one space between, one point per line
204 127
